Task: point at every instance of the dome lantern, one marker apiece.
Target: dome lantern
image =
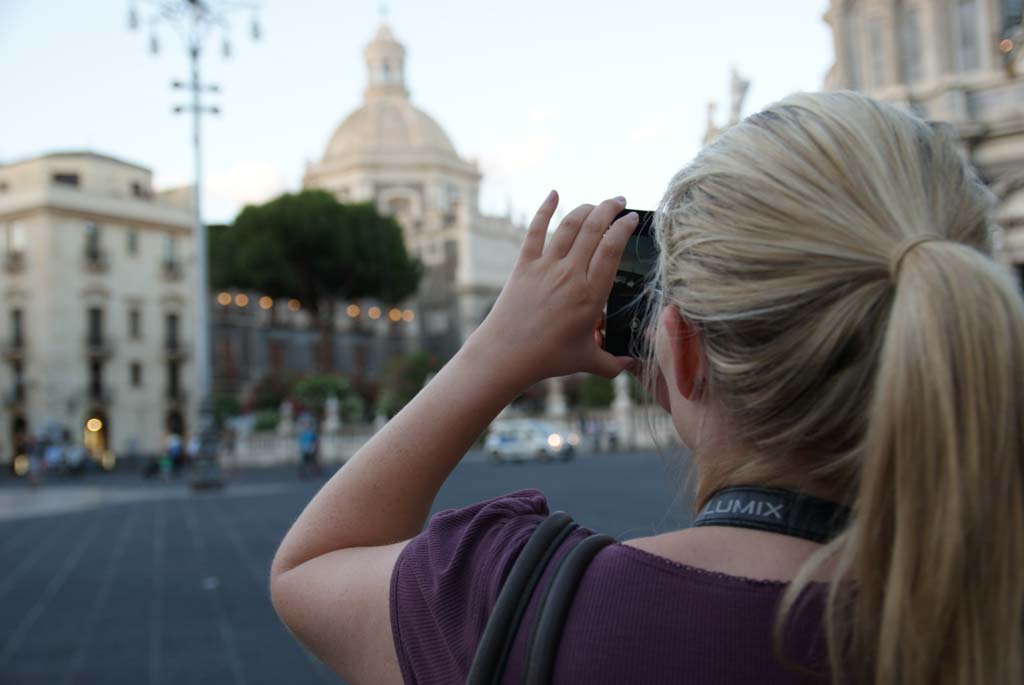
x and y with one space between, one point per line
385 65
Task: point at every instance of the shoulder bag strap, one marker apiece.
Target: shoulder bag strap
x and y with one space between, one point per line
496 642
554 609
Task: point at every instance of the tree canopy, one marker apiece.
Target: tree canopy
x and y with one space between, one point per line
310 247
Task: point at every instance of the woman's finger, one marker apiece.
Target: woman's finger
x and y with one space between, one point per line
565 236
608 254
533 245
593 229
610 366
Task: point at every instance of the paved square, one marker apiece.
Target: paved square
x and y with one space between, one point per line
112 579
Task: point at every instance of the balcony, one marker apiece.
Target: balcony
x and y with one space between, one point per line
172 269
175 349
99 395
98 347
95 260
176 396
15 397
14 262
14 349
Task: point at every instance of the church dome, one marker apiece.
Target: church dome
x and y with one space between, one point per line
387 123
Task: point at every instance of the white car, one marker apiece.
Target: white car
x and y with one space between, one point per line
528 440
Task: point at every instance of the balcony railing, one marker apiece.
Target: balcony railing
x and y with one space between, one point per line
176 395
14 262
98 347
96 259
175 348
172 269
100 394
15 396
13 349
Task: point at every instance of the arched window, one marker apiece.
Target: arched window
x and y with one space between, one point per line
966 35
909 34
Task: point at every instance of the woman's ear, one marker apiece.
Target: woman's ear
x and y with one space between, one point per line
685 350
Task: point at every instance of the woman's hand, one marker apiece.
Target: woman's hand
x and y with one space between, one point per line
544 321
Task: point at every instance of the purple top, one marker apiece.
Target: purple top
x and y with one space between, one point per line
636 617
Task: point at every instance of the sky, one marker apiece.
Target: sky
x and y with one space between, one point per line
594 98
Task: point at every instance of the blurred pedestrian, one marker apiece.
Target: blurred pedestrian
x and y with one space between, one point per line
309 447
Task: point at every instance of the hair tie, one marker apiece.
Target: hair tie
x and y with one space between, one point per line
905 247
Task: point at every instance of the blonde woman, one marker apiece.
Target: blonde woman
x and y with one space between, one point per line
831 326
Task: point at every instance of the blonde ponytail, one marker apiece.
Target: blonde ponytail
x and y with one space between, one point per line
833 254
936 550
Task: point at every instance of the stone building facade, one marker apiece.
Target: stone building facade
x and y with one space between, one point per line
958 61
96 315
394 154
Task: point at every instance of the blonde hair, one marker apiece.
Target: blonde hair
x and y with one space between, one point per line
885 374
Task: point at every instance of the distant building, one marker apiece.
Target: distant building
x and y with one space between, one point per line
392 154
96 305
959 61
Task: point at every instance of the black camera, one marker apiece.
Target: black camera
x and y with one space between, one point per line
629 300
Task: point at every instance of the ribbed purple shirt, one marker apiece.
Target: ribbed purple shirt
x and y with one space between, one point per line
636 617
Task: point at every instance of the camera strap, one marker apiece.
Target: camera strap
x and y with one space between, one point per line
776 511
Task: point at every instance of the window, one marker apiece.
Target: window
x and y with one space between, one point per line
910 44
170 249
3 186
1012 15
17 328
96 380
967 53
135 323
876 40
172 331
92 241
16 238
18 371
139 190
385 71
173 380
66 179
133 241
136 374
95 323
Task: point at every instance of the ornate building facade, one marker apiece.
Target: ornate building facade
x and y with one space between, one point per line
958 61
392 153
96 305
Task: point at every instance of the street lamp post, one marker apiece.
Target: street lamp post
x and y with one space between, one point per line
195 21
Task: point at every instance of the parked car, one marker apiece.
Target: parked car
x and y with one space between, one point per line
528 440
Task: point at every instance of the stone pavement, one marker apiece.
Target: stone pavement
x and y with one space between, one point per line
111 579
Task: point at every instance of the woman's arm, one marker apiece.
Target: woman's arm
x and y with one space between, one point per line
542 325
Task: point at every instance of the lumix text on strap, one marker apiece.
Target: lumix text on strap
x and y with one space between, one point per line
774 510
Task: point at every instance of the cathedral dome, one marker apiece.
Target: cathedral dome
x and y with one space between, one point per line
387 123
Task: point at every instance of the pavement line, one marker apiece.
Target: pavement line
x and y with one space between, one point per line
99 599
157 599
227 633
52 588
262 578
28 561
